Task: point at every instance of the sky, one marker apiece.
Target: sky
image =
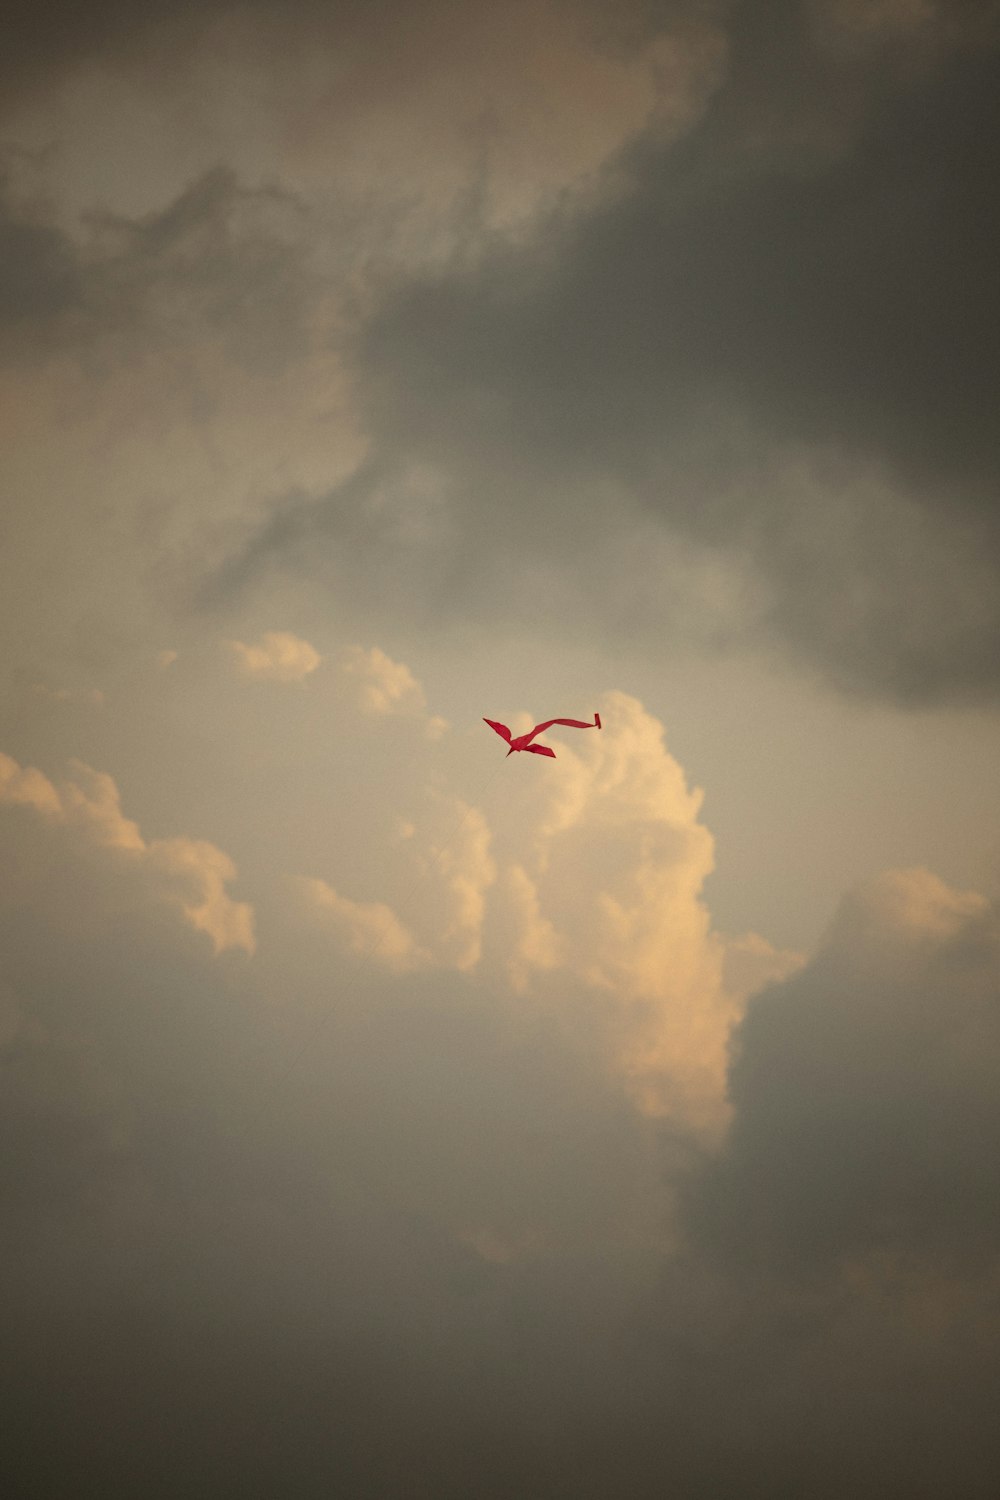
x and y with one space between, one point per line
382 1116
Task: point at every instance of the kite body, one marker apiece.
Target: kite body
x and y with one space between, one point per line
523 741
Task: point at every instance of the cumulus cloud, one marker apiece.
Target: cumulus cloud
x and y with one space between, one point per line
189 874
607 891
278 656
595 882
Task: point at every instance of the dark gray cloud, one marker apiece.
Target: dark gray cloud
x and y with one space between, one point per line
161 38
39 276
787 354
777 344
220 260
236 1310
866 1114
44 44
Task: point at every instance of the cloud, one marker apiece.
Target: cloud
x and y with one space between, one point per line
594 884
188 874
388 687
864 1092
202 872
279 656
27 787
428 1191
449 869
41 278
714 334
42 51
606 891
371 929
384 686
447 121
774 363
92 696
500 1171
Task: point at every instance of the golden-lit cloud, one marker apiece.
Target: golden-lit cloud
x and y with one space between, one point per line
188 874
457 871
448 870
608 892
278 656
384 686
595 880
200 873
27 787
368 929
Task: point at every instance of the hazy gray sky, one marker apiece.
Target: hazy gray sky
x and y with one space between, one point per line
379 1115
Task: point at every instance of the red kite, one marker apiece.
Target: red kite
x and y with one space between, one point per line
523 741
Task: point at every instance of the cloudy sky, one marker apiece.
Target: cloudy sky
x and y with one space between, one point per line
380 1116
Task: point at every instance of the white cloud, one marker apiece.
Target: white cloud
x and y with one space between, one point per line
278 656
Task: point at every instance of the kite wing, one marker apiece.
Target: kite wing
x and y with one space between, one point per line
571 723
501 729
541 750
